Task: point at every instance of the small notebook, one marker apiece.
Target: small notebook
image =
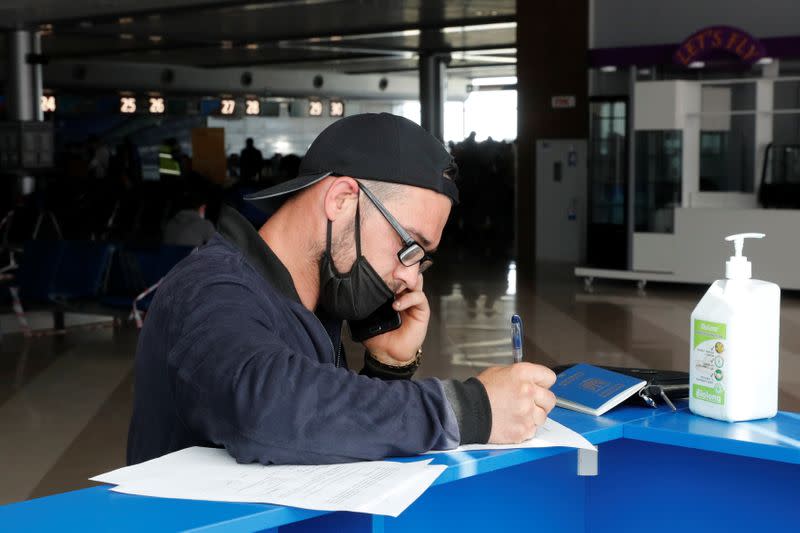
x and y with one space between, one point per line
593 390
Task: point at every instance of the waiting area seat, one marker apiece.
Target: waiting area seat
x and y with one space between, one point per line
61 274
136 270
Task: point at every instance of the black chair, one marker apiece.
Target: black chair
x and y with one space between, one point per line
136 273
61 274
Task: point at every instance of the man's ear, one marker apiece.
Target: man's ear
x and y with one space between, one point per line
340 197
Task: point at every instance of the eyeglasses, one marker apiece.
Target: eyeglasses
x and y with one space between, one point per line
412 252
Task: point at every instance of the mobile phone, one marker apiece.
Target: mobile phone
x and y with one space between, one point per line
383 320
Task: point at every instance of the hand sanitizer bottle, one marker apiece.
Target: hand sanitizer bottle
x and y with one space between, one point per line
735 330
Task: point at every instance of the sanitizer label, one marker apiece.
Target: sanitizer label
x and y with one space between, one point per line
708 358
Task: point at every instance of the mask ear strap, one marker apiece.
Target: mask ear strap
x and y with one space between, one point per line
358 227
358 230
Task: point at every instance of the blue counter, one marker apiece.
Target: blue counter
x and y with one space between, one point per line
659 470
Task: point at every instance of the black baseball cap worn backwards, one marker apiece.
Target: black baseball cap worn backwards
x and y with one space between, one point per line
372 146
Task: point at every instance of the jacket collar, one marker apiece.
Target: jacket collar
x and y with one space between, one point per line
236 229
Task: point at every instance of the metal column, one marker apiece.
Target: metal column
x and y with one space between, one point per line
433 92
21 91
36 73
630 206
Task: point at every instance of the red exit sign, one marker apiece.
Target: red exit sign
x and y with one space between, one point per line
563 102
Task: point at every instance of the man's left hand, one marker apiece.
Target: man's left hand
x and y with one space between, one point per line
399 347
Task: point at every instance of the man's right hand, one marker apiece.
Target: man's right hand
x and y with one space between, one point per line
520 398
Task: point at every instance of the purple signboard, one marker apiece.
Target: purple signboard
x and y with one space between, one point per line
715 41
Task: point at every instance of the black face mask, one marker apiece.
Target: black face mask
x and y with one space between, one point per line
355 294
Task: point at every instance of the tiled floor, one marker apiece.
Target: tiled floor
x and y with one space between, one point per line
65 402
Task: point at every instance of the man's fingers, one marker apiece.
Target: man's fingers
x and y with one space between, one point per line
546 377
409 299
541 375
539 416
545 399
520 398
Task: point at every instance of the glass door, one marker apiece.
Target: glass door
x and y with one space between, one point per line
607 232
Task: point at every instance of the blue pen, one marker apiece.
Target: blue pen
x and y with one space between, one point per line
516 338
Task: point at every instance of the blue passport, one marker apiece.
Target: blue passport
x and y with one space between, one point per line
593 390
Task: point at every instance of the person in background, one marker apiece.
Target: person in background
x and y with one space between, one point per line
289 166
250 161
100 158
169 156
189 226
232 165
126 165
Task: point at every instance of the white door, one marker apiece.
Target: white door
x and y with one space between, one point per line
561 200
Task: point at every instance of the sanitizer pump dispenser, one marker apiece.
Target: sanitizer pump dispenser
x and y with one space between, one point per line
735 330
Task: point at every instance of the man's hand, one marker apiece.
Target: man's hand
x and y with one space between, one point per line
520 398
399 347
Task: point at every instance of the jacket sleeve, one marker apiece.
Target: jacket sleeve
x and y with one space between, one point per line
469 399
237 385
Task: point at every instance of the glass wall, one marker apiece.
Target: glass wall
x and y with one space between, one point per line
608 162
658 180
490 114
608 183
786 123
727 138
785 162
487 113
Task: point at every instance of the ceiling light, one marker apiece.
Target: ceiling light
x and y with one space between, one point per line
478 27
496 80
608 68
252 46
697 64
764 61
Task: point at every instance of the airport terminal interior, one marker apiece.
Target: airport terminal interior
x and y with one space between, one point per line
605 150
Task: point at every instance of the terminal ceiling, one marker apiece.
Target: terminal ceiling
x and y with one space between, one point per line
345 36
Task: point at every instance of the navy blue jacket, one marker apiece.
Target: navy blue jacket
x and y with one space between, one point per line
229 357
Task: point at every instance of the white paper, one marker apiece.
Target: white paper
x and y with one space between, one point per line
549 435
378 487
194 459
395 503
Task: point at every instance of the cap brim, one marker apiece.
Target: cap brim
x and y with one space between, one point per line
286 188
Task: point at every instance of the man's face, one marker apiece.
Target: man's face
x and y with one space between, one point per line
422 212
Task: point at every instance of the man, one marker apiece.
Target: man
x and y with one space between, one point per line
242 344
189 226
250 161
169 166
100 157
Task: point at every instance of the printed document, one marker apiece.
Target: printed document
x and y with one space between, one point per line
549 435
377 487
